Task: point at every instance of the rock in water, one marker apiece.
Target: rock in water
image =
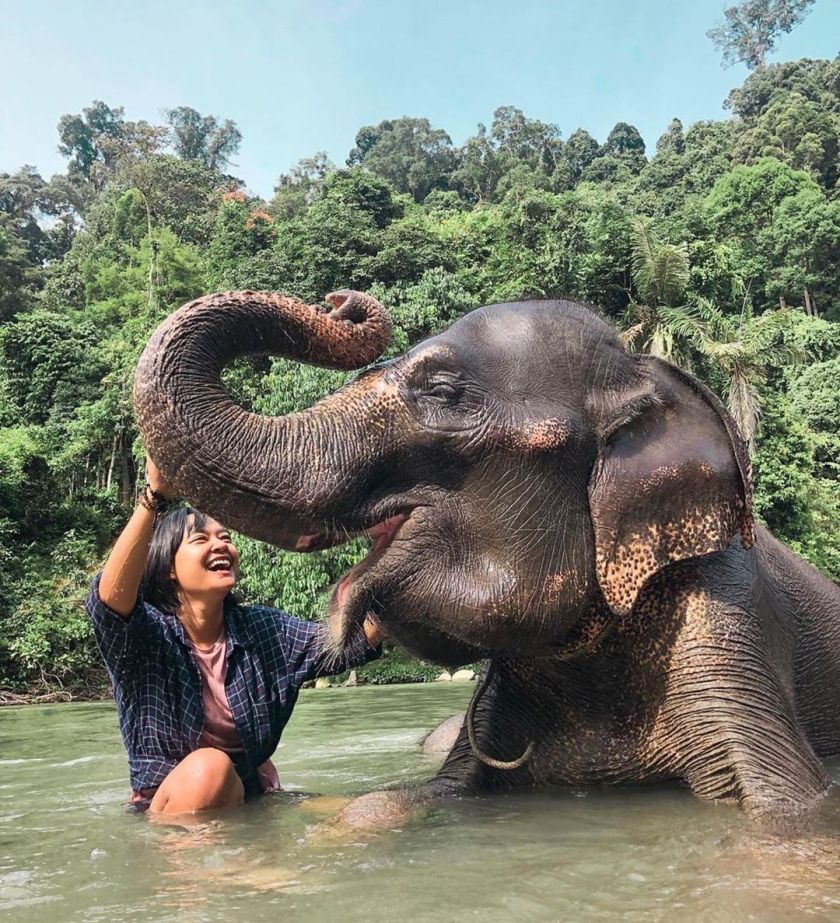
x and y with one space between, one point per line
444 677
463 676
443 737
322 683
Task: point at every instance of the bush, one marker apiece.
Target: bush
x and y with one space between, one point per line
395 666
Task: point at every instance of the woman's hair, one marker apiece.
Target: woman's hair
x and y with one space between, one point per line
158 586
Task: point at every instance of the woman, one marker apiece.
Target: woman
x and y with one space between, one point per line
204 686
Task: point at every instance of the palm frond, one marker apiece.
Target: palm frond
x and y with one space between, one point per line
718 351
660 270
629 336
682 322
745 406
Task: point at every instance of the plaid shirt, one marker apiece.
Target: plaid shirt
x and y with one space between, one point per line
157 685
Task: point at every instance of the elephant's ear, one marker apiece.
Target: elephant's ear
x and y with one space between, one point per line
672 479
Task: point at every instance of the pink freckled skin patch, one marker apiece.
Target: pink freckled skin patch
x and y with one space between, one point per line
538 436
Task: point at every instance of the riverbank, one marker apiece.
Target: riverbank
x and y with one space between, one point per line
393 668
54 696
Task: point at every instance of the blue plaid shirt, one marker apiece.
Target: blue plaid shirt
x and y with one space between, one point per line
157 685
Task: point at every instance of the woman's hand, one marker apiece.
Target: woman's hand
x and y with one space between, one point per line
374 631
156 480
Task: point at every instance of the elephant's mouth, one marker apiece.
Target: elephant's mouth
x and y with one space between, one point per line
351 599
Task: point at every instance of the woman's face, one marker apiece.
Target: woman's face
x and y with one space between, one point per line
206 562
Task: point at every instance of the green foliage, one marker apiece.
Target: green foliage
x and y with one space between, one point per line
782 470
425 307
815 397
81 137
798 505
242 231
203 137
814 80
16 271
783 233
296 583
48 634
514 145
722 251
752 28
299 188
48 362
411 155
625 144
395 666
797 131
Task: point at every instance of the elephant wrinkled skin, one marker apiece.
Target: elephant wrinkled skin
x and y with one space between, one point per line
537 496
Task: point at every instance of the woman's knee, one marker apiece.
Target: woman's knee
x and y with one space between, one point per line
205 779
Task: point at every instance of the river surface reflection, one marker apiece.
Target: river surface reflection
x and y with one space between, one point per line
69 852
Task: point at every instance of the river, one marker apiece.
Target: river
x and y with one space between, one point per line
69 852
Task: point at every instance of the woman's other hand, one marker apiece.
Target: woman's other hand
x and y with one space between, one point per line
374 631
157 481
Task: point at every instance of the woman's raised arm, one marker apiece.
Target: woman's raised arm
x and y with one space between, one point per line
124 568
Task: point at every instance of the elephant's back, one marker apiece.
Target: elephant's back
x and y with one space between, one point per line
811 604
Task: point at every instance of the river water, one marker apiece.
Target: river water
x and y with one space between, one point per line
69 852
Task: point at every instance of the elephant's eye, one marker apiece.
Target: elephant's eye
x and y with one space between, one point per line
441 392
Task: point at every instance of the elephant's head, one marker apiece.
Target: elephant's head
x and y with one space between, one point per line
513 473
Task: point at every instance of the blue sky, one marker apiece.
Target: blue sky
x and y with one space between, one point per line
300 76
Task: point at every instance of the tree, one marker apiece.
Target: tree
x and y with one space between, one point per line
742 351
626 144
515 144
526 140
425 307
81 136
783 231
752 28
16 272
815 396
579 152
334 243
658 321
300 187
242 230
480 167
407 249
23 201
815 80
782 468
98 140
183 195
797 131
407 152
203 137
803 244
672 140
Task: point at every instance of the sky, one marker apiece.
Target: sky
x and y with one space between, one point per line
300 76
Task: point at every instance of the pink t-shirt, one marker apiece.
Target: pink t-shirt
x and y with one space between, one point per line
219 727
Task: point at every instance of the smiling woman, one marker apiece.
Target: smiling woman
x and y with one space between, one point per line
204 685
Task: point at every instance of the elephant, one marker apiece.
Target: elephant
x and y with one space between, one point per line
537 497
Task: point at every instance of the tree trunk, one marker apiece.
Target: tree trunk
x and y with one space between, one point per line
126 479
111 464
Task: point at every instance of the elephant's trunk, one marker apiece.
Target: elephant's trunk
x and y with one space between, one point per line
268 476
